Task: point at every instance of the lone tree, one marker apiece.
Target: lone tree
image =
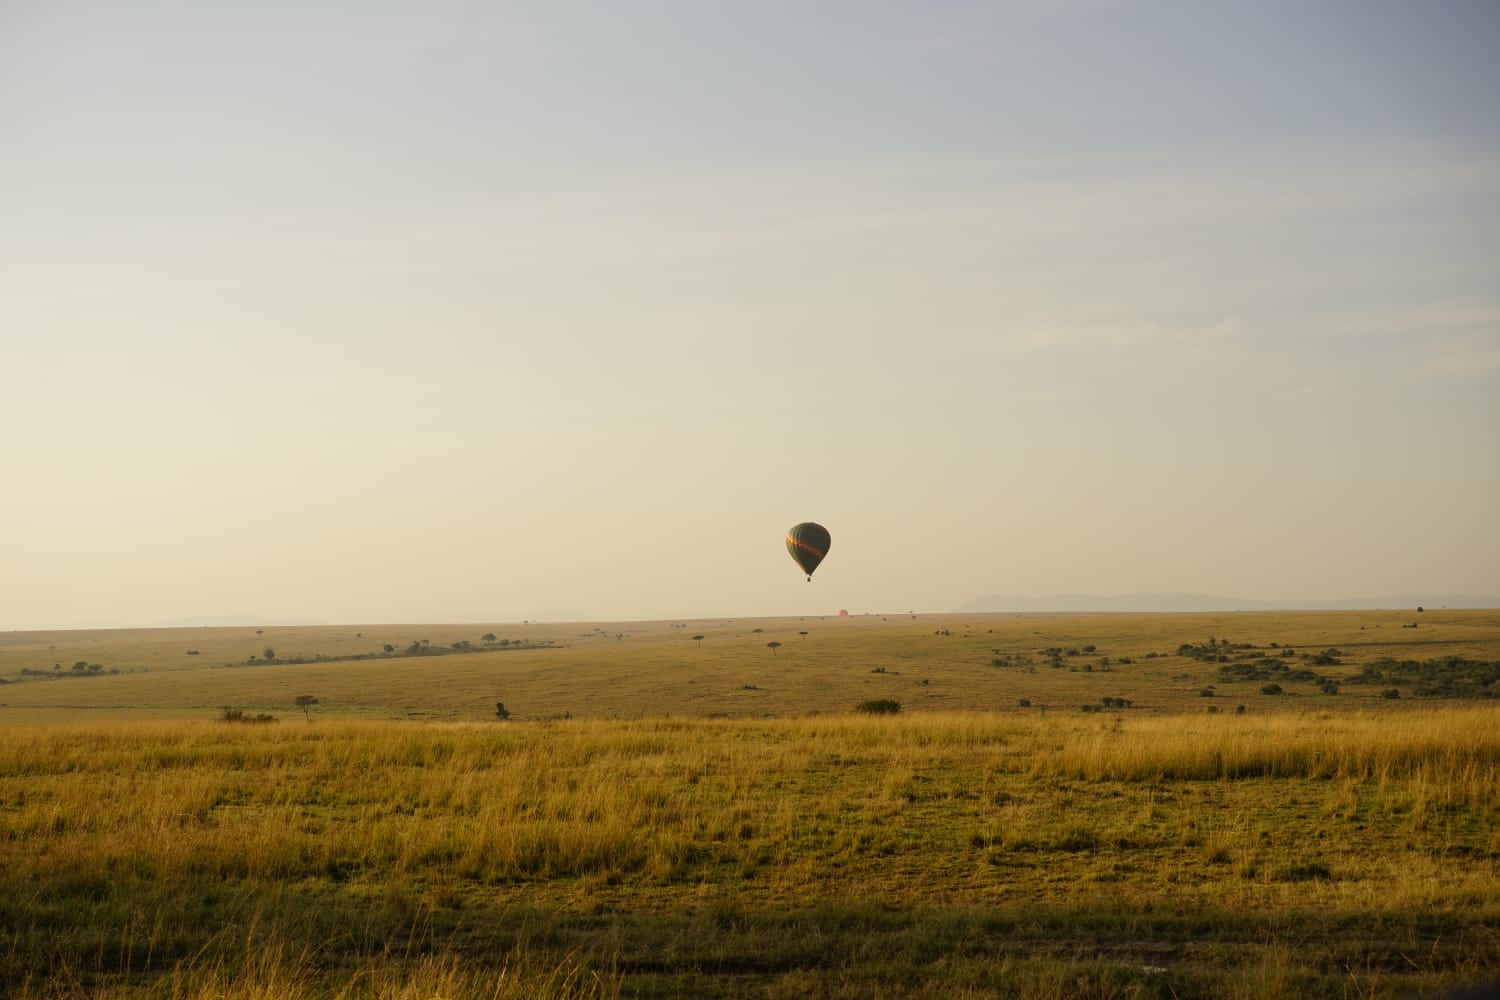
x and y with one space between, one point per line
501 712
773 646
306 702
698 639
269 654
488 637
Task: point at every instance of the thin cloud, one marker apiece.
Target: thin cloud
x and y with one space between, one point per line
1460 316
1092 338
1475 358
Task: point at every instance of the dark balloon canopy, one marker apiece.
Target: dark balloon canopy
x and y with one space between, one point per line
808 544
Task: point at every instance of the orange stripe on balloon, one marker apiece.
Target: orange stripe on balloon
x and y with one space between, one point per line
803 545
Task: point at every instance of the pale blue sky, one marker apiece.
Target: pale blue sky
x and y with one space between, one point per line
423 312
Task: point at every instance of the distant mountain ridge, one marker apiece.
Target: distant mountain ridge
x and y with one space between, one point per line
1168 601
232 621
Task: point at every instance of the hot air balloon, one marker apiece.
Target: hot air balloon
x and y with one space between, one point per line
808 544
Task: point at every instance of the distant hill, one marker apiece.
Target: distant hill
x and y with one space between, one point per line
228 621
1166 602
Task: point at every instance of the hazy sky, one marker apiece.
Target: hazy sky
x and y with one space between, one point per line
487 311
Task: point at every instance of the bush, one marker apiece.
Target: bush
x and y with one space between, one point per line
238 715
1271 689
1312 871
879 706
1443 677
1391 693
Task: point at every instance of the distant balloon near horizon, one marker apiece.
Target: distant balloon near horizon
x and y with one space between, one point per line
808 544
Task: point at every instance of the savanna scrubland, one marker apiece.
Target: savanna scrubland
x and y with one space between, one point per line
1256 805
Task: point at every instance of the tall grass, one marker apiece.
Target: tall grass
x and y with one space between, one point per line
590 858
1455 746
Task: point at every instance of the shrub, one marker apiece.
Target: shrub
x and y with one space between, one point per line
1312 871
1391 693
238 715
1270 689
879 706
1443 677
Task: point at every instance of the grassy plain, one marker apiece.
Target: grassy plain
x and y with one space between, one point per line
653 669
669 816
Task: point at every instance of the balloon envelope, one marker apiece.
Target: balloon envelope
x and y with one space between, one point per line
808 544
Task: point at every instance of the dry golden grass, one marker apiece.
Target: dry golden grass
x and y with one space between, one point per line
929 663
610 856
1315 845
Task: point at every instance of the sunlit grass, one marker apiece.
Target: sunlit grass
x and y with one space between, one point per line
932 663
664 817
1246 855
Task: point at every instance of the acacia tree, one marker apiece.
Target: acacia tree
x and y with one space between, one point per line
306 702
699 640
773 646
